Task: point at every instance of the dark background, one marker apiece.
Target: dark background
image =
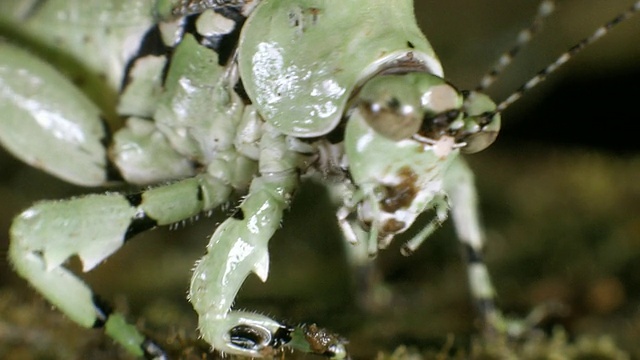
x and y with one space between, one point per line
560 196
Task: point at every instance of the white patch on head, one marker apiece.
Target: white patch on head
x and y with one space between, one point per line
443 146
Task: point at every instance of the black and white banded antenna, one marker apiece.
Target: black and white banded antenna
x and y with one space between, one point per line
545 9
566 56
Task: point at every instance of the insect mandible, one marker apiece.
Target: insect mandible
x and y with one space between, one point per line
235 97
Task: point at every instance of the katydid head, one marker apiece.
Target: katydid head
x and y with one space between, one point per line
402 133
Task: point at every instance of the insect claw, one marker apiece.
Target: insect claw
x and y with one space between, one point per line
384 242
406 250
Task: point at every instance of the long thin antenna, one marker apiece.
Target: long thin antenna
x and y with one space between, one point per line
542 74
545 9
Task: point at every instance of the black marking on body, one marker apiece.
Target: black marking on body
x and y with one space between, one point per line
282 336
139 223
103 310
134 199
112 173
200 193
240 90
223 44
226 44
336 135
151 44
238 214
189 26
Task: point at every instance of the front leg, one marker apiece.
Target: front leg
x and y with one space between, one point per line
464 211
239 247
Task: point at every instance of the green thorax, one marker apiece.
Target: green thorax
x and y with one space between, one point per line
300 60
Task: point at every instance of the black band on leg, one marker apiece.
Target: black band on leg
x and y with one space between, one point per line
282 336
103 310
473 256
139 224
486 306
141 221
152 351
485 303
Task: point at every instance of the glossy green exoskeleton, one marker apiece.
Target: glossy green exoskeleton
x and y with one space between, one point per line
231 97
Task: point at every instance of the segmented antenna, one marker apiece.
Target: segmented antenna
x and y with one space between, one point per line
542 74
545 9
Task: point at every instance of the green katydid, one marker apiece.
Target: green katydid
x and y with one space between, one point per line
236 97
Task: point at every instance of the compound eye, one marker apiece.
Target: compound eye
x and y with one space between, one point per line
391 118
482 123
480 140
440 98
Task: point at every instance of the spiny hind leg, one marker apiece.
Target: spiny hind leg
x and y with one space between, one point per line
93 227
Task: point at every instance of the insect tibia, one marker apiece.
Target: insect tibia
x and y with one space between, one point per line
441 209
